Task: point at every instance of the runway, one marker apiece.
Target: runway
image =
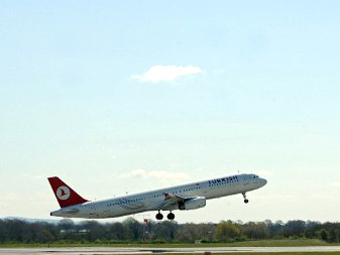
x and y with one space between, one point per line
135 250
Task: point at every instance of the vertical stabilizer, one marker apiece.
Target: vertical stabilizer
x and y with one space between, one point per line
65 195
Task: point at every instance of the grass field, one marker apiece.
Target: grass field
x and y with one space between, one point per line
263 243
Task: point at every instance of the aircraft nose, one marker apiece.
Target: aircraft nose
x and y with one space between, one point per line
263 181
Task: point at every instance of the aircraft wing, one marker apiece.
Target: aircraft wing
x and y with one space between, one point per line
172 201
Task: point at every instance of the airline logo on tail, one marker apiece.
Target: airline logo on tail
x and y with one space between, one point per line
65 195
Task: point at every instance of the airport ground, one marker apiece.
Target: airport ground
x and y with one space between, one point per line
299 242
279 247
309 250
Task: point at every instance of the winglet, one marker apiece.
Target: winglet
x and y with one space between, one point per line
65 195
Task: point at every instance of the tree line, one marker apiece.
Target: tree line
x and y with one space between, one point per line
131 230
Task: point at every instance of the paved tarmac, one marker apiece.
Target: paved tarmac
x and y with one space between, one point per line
124 250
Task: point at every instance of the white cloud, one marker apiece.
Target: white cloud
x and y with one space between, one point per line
160 175
134 173
166 73
168 175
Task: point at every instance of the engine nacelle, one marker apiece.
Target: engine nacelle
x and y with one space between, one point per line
193 203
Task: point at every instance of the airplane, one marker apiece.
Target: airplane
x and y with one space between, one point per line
181 197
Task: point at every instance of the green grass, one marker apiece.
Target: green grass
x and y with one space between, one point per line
263 243
282 243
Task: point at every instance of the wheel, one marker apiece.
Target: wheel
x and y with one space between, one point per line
159 216
245 198
171 216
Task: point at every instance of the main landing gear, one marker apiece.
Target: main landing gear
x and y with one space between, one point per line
159 216
170 216
245 198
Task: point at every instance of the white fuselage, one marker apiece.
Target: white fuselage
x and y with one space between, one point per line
151 201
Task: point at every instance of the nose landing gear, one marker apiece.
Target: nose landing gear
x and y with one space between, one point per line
245 198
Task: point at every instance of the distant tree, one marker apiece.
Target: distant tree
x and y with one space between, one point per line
270 228
2 231
166 230
14 230
255 231
325 235
94 231
134 229
312 228
294 228
206 231
333 230
227 231
335 235
17 231
66 224
276 229
41 232
116 231
187 233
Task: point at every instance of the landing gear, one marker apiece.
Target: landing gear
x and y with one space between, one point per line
159 216
245 198
171 216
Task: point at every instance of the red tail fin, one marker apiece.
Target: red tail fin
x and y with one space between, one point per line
65 195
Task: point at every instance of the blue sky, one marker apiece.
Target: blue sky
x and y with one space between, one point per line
119 97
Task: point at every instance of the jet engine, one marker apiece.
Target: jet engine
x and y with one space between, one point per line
193 203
